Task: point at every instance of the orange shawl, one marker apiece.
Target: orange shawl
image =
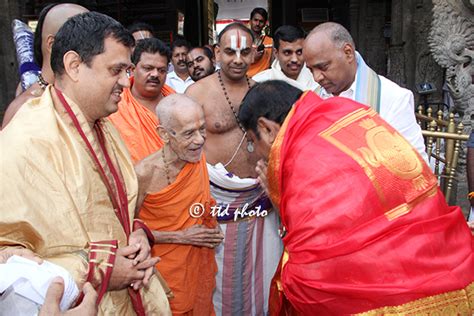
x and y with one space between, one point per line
137 125
188 270
264 62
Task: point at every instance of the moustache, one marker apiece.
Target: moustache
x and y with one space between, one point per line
154 80
197 69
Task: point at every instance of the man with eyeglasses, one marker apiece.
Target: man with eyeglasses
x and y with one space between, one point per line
136 119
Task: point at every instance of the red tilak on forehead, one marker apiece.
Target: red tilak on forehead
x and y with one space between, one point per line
238 39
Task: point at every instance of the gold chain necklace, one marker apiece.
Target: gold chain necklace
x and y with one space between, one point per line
250 147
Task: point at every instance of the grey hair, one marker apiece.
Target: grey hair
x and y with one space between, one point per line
338 34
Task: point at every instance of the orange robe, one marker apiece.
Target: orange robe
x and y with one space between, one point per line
265 62
190 271
367 229
137 125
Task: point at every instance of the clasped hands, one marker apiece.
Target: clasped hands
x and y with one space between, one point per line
133 265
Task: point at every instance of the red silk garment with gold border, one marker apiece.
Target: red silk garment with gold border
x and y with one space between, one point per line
367 226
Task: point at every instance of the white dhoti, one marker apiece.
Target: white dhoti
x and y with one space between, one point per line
248 257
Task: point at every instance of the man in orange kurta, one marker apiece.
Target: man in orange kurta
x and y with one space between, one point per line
365 227
136 119
174 185
263 44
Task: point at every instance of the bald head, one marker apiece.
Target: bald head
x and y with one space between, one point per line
173 108
334 31
182 126
50 21
329 53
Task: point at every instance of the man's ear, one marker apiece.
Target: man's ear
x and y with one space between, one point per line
49 43
349 52
217 53
165 137
275 53
267 129
72 63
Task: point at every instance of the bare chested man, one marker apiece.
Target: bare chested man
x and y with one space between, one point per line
51 18
171 181
251 249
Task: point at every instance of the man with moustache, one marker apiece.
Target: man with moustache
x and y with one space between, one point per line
251 249
68 181
201 63
329 52
289 63
136 119
172 182
51 18
262 43
179 79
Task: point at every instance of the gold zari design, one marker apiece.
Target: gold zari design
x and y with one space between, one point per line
460 302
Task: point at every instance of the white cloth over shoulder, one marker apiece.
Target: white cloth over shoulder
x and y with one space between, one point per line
305 80
31 280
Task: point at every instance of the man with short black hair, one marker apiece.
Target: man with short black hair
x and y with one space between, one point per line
68 181
365 227
289 63
251 248
262 43
141 30
136 118
179 79
201 62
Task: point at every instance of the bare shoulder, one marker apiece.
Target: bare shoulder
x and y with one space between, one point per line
145 169
32 92
201 89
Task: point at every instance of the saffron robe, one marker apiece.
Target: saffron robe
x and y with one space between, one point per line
55 202
137 125
189 270
368 230
264 62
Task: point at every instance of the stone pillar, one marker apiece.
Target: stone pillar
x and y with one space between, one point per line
8 65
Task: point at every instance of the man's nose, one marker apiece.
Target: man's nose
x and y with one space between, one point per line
317 75
123 79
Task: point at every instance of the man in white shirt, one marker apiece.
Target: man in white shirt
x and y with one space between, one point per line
289 62
329 52
179 79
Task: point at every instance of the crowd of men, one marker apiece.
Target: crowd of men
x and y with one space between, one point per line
261 176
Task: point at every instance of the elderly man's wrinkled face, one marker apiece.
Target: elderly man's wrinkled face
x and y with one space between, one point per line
199 65
331 66
188 133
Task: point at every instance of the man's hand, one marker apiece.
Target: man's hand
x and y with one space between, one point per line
200 235
139 237
471 226
22 252
262 169
125 273
53 297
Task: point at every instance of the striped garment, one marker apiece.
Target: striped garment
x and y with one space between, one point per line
248 257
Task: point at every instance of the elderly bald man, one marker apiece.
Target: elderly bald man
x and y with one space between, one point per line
174 188
51 18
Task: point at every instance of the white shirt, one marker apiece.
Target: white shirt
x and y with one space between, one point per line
179 85
397 108
305 80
